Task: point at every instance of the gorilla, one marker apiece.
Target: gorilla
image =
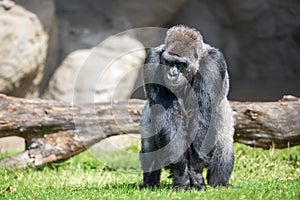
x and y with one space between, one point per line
187 122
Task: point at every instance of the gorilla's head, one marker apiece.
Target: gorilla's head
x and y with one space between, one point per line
179 59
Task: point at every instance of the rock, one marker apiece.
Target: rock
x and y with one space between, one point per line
83 24
45 11
11 144
62 83
121 145
23 51
104 73
256 36
115 143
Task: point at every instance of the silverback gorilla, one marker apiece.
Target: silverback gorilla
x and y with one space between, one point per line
187 122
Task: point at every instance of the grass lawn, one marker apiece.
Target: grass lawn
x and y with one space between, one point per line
258 174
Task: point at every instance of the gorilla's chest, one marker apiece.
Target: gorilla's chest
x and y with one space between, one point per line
177 125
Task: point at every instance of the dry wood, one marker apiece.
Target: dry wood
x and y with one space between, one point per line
55 131
268 124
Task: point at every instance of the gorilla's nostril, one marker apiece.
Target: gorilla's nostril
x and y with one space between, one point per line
173 72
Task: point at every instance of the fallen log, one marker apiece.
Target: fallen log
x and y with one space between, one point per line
268 124
56 131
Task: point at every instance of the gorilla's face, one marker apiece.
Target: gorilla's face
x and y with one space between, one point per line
177 74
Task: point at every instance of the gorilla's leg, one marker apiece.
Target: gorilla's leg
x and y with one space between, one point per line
196 165
196 179
151 178
179 171
221 166
195 172
149 162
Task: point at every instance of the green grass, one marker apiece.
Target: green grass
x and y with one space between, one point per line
258 174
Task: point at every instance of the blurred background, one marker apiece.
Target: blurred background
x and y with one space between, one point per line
49 48
44 42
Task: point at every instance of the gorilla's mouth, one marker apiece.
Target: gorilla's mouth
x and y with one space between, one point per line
173 77
176 85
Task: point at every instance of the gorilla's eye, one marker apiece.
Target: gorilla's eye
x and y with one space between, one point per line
183 65
179 65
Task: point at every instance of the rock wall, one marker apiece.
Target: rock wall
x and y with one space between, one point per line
260 38
83 24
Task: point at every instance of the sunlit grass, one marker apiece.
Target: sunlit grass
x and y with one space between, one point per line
258 174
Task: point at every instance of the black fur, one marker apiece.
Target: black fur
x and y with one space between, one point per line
218 57
176 121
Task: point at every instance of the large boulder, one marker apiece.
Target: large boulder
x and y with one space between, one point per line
45 11
23 51
104 73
